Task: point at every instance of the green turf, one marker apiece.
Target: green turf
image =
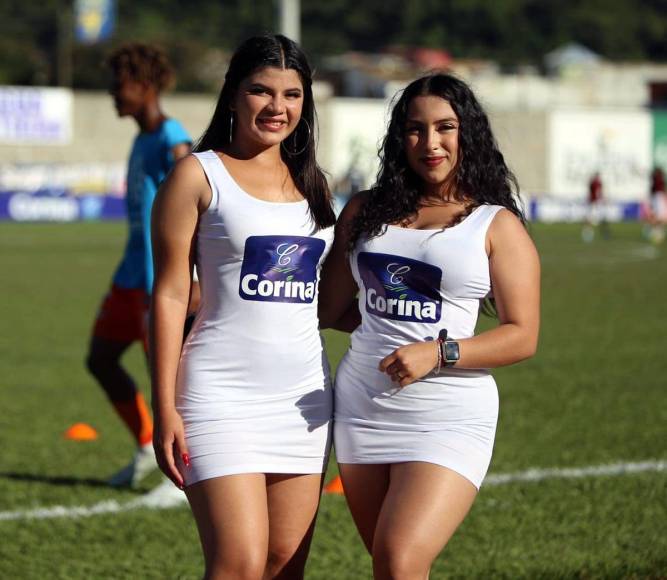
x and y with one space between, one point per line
594 394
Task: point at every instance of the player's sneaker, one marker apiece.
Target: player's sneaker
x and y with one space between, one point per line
587 234
657 235
142 464
165 495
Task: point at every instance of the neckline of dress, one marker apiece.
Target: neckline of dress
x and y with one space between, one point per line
441 229
249 195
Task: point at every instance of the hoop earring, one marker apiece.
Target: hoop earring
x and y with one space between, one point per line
294 152
231 127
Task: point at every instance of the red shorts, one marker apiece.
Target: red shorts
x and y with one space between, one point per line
123 316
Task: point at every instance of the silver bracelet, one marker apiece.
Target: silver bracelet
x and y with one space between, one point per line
439 346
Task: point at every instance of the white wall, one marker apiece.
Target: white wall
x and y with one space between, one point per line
350 135
552 152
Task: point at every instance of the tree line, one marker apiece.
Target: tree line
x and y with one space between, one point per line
37 48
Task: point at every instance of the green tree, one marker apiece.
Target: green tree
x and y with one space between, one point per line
196 33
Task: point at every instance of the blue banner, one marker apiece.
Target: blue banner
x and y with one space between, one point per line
549 209
54 206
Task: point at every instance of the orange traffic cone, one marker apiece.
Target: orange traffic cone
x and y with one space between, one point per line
335 486
80 432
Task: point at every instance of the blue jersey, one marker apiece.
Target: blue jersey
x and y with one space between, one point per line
150 161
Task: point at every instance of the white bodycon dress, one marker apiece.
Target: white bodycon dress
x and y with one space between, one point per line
253 384
412 283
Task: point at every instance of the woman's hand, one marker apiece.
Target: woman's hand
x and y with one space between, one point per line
169 443
410 363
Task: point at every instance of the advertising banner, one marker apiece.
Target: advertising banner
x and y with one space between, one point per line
73 178
615 143
20 206
660 138
550 210
35 116
62 192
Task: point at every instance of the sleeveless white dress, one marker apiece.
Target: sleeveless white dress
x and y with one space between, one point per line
253 384
412 283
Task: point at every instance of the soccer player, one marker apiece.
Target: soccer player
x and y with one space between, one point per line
657 206
595 215
139 74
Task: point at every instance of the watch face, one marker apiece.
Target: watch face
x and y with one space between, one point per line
451 351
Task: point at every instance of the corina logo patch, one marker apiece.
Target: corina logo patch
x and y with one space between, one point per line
280 268
400 288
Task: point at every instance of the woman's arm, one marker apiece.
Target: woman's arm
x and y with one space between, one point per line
174 220
349 320
179 151
338 290
515 279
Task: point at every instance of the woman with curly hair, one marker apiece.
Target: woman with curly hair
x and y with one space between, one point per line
416 408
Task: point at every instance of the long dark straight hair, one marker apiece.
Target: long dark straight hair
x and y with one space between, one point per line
480 177
298 150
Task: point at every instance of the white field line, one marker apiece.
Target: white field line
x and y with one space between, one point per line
575 472
635 253
159 501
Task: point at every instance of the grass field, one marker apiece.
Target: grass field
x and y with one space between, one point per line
594 395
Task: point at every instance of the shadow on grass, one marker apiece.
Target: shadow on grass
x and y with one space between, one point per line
64 481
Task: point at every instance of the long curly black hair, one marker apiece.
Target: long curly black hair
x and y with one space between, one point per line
298 150
481 174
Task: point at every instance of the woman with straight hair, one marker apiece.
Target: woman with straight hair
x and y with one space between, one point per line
243 413
415 406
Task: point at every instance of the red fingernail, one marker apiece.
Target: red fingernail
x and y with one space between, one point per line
186 459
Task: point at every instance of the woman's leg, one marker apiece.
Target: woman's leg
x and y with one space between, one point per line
423 507
232 519
292 506
365 489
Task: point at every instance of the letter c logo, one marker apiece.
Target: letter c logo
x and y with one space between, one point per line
283 251
396 270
